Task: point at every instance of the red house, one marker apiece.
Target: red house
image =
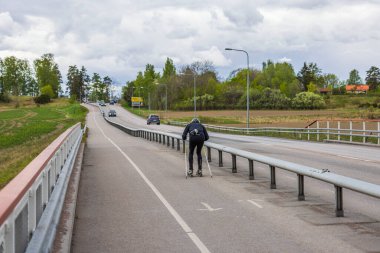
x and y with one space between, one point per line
357 88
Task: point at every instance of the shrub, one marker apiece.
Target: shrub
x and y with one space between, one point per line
42 99
5 98
308 100
271 99
47 90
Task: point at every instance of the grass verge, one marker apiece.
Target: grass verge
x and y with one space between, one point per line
26 131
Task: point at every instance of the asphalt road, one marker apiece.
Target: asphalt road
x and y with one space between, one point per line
133 197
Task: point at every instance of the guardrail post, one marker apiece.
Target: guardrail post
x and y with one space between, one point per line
209 154
308 133
220 158
159 138
272 177
173 142
183 146
338 130
251 170
168 140
234 169
339 201
317 130
350 131
364 133
328 130
301 193
178 148
163 139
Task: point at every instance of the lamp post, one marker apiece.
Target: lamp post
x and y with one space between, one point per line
132 97
240 50
140 96
195 102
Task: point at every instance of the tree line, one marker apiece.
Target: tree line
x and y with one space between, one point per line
275 86
43 80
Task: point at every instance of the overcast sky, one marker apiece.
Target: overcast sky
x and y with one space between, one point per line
119 37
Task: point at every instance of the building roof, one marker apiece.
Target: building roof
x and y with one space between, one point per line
357 87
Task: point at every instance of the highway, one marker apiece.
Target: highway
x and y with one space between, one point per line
134 197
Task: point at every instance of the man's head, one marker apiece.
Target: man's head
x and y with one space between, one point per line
195 120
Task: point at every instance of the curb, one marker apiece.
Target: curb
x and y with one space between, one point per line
62 242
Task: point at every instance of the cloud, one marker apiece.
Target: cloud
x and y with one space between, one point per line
118 38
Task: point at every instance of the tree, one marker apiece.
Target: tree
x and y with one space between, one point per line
330 81
96 84
169 70
354 77
107 82
16 76
77 82
310 73
373 78
47 73
278 76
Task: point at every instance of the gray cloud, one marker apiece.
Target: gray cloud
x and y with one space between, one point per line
118 38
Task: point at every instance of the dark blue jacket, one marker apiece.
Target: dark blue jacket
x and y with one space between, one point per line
195 129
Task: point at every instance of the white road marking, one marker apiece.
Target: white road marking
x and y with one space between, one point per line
354 158
171 210
209 208
254 203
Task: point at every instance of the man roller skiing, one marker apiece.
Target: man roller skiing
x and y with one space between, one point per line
198 135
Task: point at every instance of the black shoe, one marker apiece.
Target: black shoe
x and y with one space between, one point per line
199 173
190 173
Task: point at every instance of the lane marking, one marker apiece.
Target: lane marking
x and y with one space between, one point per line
171 210
355 158
254 203
209 208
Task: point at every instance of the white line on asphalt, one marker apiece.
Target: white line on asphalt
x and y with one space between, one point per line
171 210
355 158
254 203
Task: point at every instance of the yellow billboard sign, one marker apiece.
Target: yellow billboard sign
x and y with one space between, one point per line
137 101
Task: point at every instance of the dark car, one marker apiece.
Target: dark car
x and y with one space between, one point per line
112 113
153 119
112 102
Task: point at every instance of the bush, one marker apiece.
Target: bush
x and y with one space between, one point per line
271 99
5 98
42 99
47 90
308 100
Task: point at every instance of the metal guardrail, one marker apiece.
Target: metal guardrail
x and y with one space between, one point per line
327 132
31 203
340 182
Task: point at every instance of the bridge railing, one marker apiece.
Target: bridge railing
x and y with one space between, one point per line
30 205
340 182
322 131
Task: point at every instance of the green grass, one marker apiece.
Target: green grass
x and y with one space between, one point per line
26 131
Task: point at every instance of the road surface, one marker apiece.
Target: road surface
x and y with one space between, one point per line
133 197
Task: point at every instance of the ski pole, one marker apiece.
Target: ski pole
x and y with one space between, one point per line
184 143
209 169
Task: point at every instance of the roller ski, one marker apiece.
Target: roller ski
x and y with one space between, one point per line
189 173
199 173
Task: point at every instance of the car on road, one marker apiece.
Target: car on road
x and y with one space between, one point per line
111 102
112 113
153 119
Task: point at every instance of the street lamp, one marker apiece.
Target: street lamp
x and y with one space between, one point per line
132 97
140 96
240 50
195 102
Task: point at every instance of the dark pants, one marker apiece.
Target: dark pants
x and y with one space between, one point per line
195 141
